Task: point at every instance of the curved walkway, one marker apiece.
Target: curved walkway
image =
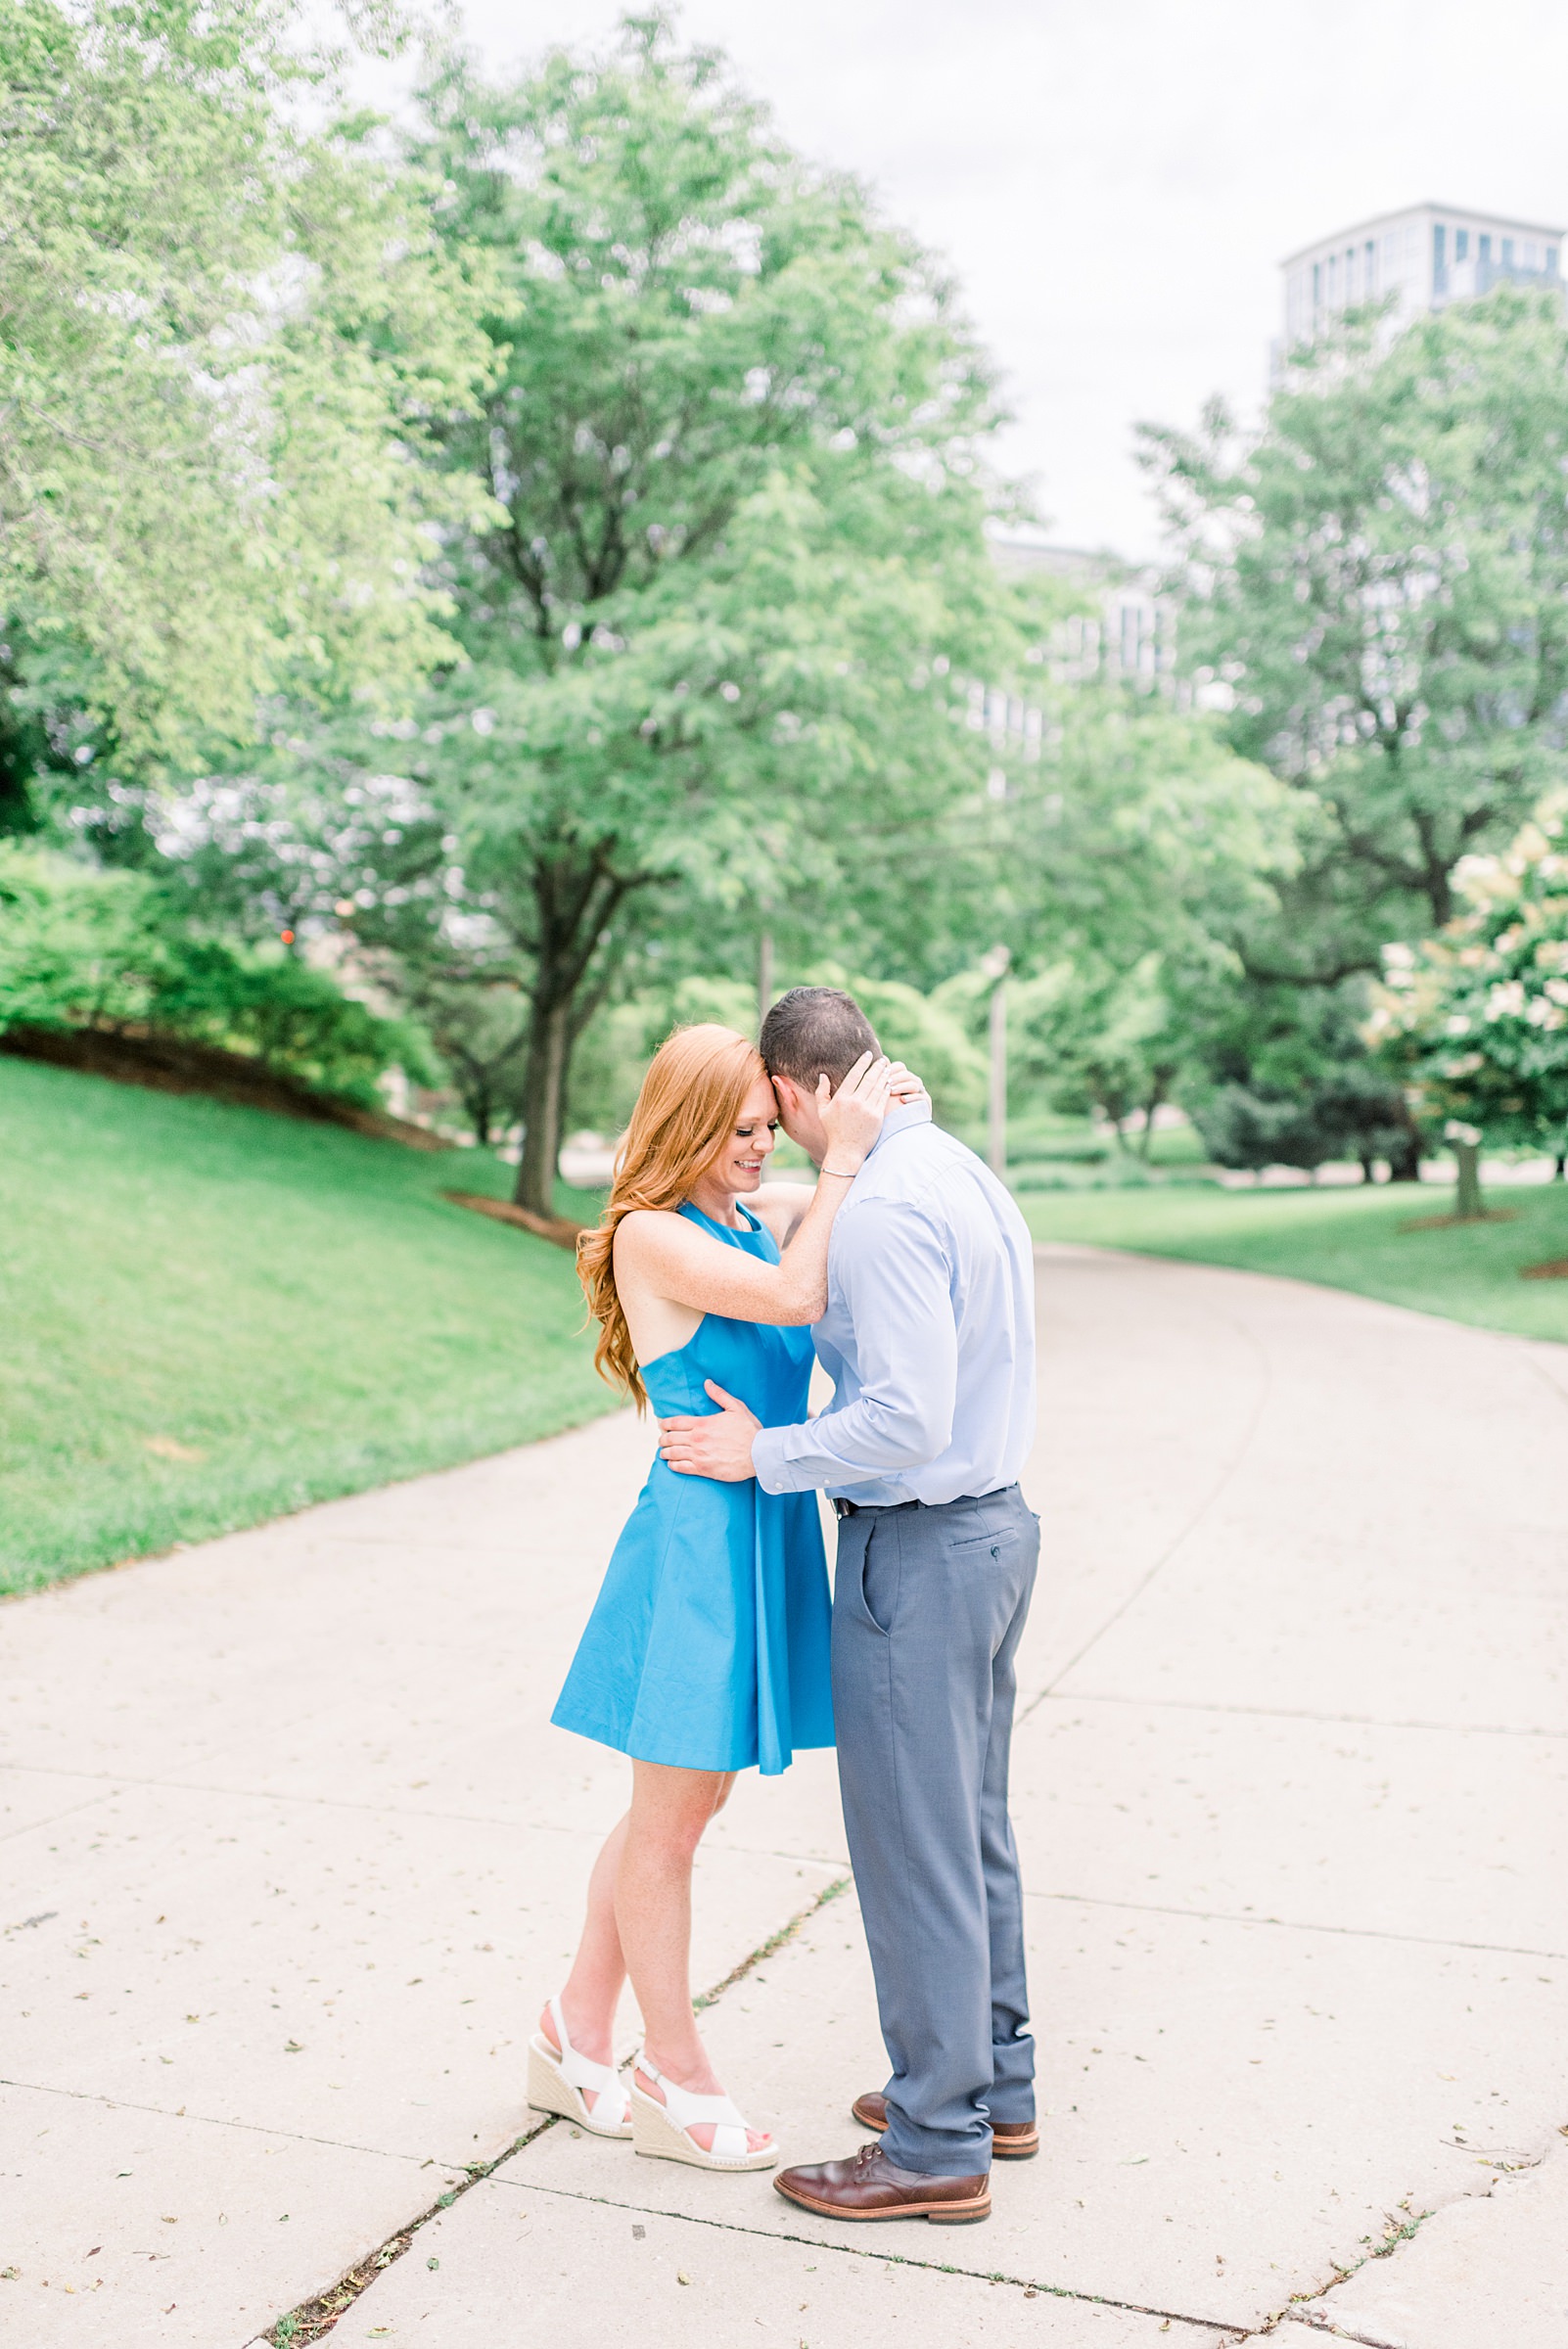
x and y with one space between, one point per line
290 1854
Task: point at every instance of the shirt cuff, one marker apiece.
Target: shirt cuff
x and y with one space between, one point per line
775 1470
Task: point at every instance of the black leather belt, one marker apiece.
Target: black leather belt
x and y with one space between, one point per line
878 1508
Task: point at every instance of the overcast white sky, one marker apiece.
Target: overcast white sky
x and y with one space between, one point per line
1114 184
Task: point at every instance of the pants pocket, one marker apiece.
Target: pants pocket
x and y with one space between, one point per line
877 1582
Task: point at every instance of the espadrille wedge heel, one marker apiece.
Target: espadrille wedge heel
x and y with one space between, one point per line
662 2131
557 2080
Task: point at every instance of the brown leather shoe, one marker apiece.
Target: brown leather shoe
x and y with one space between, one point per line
1010 2141
871 2186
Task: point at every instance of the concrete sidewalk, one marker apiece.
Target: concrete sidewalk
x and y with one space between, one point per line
291 1856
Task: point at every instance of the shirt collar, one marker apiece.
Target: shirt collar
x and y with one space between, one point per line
900 1118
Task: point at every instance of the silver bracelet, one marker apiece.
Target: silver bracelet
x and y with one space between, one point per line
838 1173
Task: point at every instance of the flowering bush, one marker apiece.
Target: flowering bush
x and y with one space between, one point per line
1476 1020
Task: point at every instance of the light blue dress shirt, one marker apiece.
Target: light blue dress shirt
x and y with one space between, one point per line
927 1337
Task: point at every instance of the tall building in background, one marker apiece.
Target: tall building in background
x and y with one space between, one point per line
1430 254
1130 633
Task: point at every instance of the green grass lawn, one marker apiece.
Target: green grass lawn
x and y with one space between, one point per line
213 1315
1351 1238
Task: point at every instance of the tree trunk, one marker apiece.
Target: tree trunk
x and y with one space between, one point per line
544 1103
1560 1166
1468 1205
575 904
1368 1173
1405 1159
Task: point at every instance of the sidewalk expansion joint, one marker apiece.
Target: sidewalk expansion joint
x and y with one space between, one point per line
1294 1925
1178 1540
315 2318
51 1818
215 2120
1029 2285
1340 2332
1355 1720
775 1943
115 1781
1400 2226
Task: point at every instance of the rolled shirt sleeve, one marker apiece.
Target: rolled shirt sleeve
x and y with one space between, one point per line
892 1269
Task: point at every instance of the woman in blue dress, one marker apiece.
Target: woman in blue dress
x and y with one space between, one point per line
706 1651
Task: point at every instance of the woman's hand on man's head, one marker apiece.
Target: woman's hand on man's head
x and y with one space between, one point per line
852 1115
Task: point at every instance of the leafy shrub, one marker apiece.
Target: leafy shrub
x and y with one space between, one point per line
1354 1113
75 945
85 948
296 1019
1123 1172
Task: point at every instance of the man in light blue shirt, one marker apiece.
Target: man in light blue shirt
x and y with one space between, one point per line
929 1339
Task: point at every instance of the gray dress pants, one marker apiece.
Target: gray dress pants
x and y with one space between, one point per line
928 1607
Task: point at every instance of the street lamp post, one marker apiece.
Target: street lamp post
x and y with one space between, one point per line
764 977
994 967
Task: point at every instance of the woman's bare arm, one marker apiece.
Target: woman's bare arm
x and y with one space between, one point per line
666 1257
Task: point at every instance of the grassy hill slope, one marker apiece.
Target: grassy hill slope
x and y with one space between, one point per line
213 1315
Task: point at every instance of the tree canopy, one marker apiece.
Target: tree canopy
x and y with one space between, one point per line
226 335
1376 585
715 637
538 556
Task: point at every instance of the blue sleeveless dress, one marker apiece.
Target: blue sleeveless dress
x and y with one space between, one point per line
708 1644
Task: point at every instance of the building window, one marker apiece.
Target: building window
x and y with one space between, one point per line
1552 261
1461 244
1508 253
1317 285
1483 249
1440 258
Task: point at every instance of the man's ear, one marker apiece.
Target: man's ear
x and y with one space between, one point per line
789 1095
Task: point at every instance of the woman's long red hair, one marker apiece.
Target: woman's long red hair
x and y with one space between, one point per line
690 1100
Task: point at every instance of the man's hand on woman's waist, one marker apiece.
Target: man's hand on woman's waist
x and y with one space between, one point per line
718 1444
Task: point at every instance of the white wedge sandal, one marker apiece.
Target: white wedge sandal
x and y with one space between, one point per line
556 2082
661 2130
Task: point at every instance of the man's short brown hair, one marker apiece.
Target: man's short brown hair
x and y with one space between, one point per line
815 1031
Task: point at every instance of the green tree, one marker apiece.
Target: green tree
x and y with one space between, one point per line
1128 858
715 642
225 334
1378 582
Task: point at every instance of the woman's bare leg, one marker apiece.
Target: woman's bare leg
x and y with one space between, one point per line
592 1989
670 1811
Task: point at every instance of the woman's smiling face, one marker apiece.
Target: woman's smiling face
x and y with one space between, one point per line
742 1158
